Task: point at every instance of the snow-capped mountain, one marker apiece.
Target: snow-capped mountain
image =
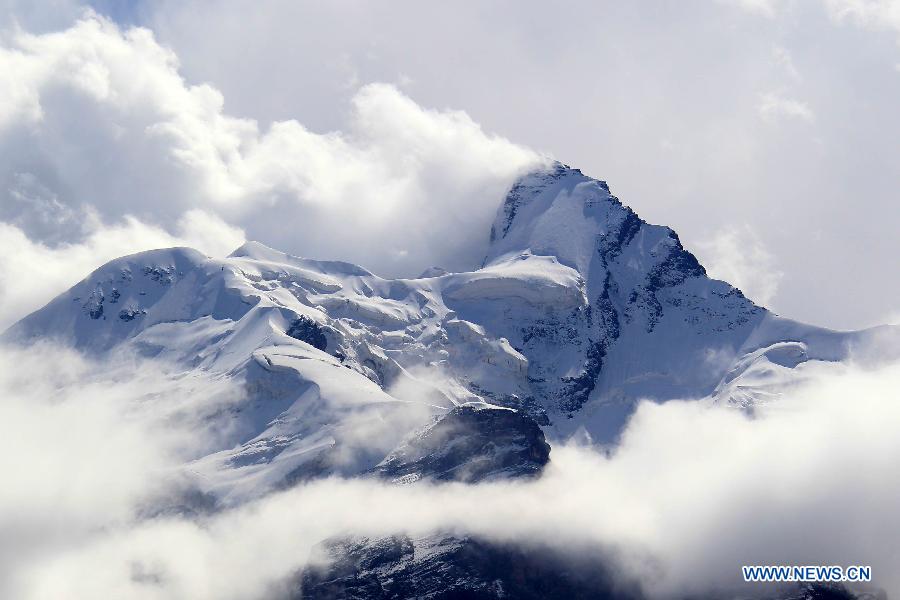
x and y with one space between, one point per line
579 310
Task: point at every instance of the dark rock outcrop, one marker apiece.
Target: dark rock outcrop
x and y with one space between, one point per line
306 330
471 443
444 567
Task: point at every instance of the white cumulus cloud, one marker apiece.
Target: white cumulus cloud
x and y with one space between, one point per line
693 491
874 14
740 257
106 149
774 105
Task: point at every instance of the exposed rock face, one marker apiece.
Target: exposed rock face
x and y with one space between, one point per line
471 444
825 591
306 330
642 288
445 567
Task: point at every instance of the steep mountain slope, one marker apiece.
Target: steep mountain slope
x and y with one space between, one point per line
579 310
447 567
653 323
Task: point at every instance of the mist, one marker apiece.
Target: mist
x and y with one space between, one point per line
89 444
694 490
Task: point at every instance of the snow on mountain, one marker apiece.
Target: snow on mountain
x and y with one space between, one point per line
470 443
654 325
580 310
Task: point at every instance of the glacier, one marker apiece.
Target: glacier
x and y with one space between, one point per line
579 311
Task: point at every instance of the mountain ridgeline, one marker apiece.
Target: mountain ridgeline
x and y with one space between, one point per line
579 311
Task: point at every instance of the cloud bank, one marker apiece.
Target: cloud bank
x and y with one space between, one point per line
693 492
105 146
88 443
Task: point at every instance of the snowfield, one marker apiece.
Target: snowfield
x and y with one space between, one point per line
580 310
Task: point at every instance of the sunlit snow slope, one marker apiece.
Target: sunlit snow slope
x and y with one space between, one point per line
580 310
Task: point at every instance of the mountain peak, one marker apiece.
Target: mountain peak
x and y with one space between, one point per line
258 251
559 211
549 212
113 301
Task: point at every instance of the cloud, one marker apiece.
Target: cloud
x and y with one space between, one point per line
873 14
740 257
892 318
783 59
693 492
100 135
88 442
765 8
773 105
